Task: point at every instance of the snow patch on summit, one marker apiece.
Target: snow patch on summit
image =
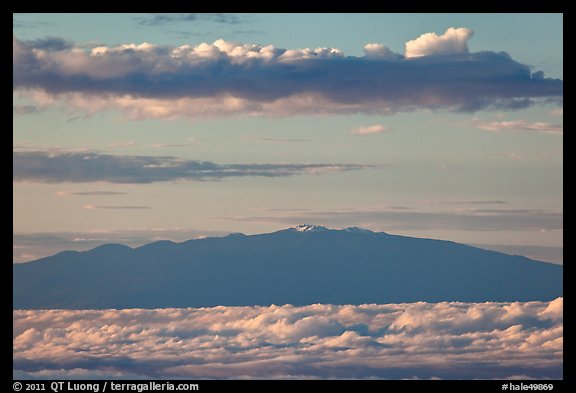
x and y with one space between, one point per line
310 228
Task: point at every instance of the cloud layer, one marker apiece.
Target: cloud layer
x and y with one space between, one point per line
224 78
80 167
392 341
401 218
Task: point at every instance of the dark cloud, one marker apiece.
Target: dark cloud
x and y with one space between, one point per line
226 78
24 109
168 19
26 24
50 44
75 167
248 32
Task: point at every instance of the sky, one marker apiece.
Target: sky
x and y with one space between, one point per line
132 128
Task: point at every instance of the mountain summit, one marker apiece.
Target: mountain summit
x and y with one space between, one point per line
302 265
310 228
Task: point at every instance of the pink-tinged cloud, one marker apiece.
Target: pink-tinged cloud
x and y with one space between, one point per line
230 79
389 341
452 41
88 193
369 130
557 112
522 125
120 144
119 207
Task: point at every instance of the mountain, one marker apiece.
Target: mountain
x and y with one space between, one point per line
302 265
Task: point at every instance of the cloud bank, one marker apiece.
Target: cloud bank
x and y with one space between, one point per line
392 341
83 167
225 78
402 218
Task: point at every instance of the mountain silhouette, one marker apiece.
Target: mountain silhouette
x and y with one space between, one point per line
302 265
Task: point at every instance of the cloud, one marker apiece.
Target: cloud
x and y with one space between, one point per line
170 145
379 51
557 112
77 374
25 109
277 140
521 125
451 42
25 24
484 202
169 19
120 144
391 341
230 79
369 130
402 220
89 193
124 207
189 142
510 155
85 167
51 44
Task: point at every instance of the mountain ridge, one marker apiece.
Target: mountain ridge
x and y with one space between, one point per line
300 265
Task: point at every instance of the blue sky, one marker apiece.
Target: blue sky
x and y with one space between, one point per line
137 127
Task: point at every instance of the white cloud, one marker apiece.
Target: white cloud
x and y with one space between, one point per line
522 125
391 341
416 219
454 40
379 51
369 130
554 310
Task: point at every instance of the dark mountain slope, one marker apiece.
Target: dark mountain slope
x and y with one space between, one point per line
299 266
